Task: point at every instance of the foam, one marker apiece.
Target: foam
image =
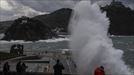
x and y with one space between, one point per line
90 45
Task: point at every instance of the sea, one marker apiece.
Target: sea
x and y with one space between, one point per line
124 43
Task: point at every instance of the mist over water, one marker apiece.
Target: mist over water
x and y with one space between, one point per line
90 45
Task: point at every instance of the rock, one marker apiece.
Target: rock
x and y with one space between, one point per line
121 18
27 29
57 20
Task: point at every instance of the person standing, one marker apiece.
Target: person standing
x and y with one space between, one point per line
6 68
22 49
99 71
24 67
19 67
58 67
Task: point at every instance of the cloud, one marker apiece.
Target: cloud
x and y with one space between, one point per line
5 5
12 9
18 12
47 5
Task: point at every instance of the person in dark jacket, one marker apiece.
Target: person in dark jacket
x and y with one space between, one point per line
24 67
58 67
6 68
99 71
19 67
21 49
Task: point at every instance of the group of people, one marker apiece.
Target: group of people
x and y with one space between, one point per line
17 49
58 67
20 68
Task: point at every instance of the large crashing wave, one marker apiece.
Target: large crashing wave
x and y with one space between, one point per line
90 45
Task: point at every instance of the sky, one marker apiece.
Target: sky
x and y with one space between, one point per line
12 9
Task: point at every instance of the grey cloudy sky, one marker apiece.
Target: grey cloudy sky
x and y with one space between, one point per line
12 9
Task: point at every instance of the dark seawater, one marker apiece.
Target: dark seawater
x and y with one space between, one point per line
125 43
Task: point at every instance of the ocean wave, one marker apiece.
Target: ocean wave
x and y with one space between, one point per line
14 41
119 36
47 41
54 40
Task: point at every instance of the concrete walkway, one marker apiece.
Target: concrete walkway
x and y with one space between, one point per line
32 73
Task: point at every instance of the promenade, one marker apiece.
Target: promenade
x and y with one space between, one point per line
42 63
32 73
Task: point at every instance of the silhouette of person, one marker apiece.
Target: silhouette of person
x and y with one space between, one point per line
6 68
18 49
99 71
19 67
58 67
15 49
11 49
21 49
24 67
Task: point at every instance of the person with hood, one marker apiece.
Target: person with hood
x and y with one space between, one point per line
99 71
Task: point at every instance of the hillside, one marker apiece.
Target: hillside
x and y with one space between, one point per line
121 18
36 28
5 25
27 29
57 20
